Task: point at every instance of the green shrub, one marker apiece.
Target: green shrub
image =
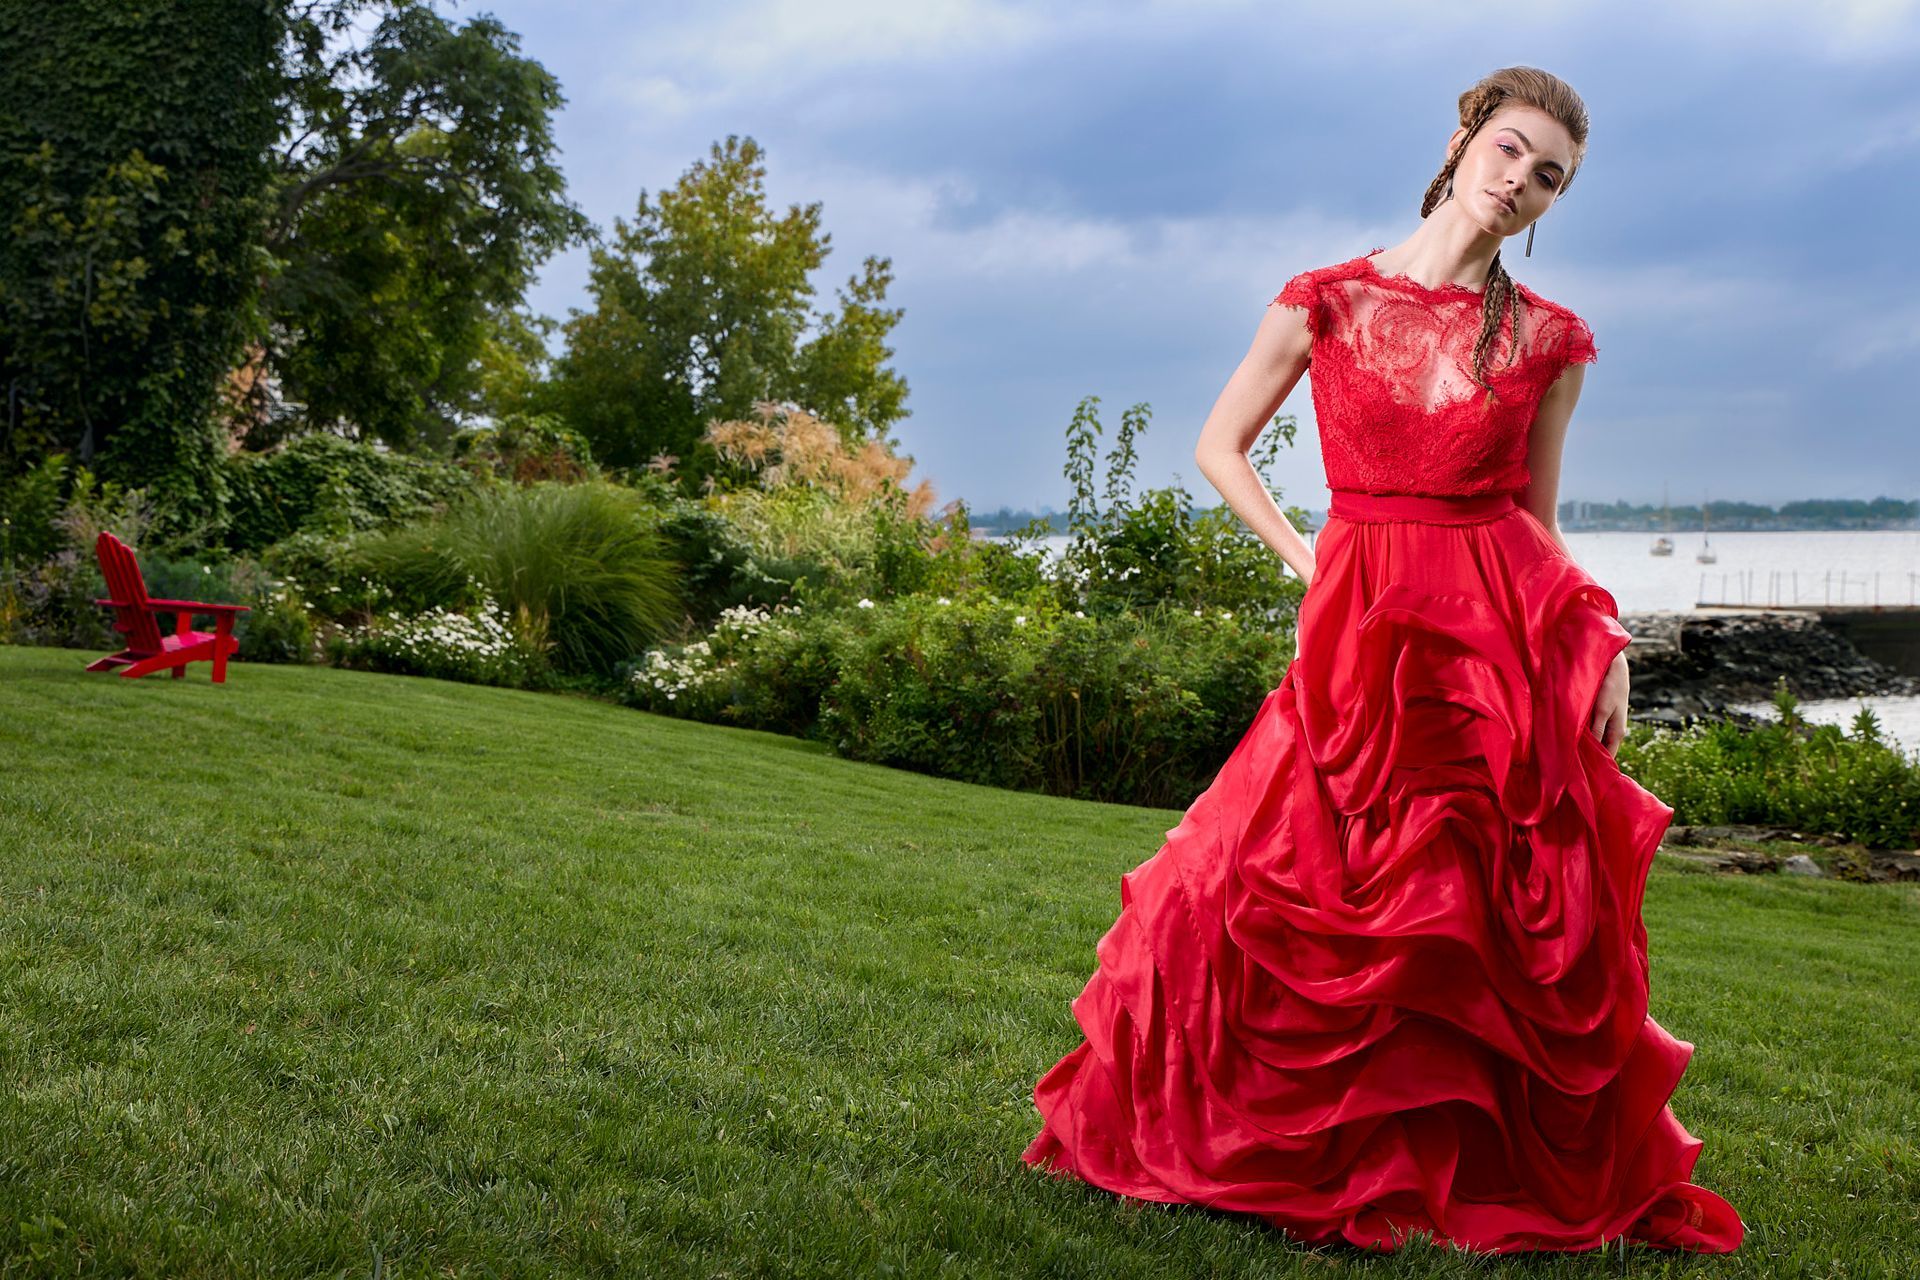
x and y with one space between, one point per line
526 449
30 505
581 568
1157 550
326 485
758 668
1785 773
47 596
1141 708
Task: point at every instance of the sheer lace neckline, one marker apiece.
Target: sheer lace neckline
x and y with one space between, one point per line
1449 288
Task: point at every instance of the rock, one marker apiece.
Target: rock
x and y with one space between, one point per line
1717 834
1749 862
1801 865
1695 664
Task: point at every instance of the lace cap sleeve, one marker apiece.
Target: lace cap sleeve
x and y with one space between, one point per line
1303 291
1576 342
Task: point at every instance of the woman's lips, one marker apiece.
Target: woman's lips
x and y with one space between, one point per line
1505 203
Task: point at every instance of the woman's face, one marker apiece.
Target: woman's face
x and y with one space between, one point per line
1513 168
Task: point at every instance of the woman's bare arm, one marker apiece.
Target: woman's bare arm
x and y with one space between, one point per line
1265 377
1607 721
1545 444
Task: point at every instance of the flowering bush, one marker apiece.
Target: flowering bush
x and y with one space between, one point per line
761 668
483 647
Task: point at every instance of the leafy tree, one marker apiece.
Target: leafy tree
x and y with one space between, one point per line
416 193
133 145
701 311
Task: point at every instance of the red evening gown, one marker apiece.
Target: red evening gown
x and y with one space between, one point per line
1389 971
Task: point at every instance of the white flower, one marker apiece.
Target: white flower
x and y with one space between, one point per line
865 603
1019 619
1078 614
1196 613
943 600
1226 613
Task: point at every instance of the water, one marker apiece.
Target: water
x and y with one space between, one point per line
1821 566
1837 566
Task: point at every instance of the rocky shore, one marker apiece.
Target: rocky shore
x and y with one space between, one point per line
1697 663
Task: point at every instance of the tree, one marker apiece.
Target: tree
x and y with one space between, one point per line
416 193
133 144
701 311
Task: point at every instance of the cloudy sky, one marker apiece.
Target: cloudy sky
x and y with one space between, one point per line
1101 198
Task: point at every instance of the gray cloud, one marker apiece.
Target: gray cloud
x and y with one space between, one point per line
1100 199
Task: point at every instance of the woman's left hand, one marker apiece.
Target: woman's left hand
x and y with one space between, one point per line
1610 707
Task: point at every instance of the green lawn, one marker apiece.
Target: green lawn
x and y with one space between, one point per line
321 973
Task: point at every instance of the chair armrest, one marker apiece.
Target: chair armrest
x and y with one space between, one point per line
195 606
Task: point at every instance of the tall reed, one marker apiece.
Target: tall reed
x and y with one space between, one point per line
580 567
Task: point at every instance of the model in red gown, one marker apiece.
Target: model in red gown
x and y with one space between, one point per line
1389 972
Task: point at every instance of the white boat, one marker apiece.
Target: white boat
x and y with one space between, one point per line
1706 554
1663 545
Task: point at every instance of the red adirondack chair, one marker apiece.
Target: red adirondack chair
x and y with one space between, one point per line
137 618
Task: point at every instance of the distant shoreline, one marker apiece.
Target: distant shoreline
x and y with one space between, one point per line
999 525
1058 524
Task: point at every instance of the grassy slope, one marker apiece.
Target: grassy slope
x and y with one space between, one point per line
317 968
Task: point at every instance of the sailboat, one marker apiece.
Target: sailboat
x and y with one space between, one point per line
1706 553
1663 545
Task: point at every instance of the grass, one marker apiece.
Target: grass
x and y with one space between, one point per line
323 973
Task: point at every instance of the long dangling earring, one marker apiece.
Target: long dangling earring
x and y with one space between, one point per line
1530 227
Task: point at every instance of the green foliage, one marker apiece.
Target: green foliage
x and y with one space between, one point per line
30 505
701 310
526 449
757 668
1156 549
1788 773
51 602
132 176
47 597
416 197
1134 708
581 569
326 485
717 566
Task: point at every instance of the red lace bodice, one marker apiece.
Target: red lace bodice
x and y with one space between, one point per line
1392 376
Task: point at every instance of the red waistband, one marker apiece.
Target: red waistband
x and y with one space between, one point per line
1351 504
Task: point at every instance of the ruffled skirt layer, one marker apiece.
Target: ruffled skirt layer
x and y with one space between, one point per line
1389 972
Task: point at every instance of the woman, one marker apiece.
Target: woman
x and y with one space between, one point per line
1388 974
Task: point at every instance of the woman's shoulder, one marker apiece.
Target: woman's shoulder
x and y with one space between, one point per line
1537 300
1562 331
1304 289
1304 284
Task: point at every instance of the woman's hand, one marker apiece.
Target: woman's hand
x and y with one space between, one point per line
1610 707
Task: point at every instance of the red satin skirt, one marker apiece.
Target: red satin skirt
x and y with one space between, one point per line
1388 974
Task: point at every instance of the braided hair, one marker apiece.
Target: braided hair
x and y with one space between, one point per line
1527 86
